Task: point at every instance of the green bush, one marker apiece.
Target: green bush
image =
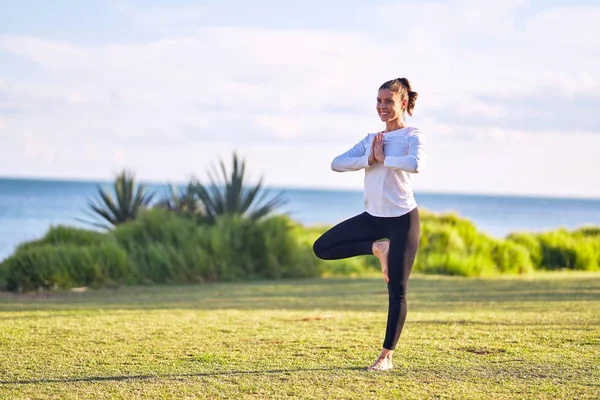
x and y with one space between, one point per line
169 248
561 249
287 255
66 235
66 265
156 225
511 257
532 245
3 275
588 231
161 246
237 248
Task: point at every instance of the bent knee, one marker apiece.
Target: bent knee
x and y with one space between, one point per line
320 249
317 248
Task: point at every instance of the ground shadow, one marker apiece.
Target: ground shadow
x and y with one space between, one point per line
171 376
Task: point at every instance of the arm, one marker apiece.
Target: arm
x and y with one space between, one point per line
354 159
415 158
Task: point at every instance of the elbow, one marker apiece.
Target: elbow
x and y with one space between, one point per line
335 166
417 166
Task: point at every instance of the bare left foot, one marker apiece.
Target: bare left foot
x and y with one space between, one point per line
381 251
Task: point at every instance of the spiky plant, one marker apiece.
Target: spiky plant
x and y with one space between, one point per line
129 199
228 193
183 202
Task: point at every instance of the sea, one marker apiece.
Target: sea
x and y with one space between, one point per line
29 207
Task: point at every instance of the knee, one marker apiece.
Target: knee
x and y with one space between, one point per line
397 290
319 249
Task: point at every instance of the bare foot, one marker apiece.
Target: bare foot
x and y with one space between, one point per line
383 363
381 251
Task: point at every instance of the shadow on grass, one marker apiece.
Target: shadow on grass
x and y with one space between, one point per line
170 376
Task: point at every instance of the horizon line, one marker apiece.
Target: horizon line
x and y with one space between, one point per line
317 188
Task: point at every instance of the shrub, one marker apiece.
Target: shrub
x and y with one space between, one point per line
288 256
532 245
66 235
511 257
560 249
66 266
165 247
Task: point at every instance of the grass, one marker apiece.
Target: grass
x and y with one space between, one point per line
530 337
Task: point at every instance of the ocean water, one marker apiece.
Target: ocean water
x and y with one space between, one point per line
29 207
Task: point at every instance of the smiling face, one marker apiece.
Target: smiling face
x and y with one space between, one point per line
390 105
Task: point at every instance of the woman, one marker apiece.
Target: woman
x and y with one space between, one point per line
389 159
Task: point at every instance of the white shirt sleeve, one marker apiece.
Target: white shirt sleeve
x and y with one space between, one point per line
354 159
413 162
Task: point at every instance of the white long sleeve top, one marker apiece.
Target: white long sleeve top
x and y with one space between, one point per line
387 187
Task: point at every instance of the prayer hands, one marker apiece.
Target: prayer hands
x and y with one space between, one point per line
377 148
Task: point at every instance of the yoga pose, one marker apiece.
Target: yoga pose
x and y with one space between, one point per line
389 228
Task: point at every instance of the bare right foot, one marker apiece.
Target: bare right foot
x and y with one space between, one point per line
383 362
381 251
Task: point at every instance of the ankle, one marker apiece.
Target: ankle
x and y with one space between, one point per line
387 354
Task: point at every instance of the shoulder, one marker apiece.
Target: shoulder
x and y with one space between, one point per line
368 139
415 134
414 131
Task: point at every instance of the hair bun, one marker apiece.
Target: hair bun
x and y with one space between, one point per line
412 98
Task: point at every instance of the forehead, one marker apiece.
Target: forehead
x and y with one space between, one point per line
386 94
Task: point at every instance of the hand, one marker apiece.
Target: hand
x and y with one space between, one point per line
378 152
372 152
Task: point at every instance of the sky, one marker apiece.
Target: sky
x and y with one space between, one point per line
509 91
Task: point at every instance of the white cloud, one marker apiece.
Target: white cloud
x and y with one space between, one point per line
90 150
119 155
484 73
75 98
570 28
35 147
161 15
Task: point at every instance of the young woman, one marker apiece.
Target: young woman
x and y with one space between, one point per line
389 159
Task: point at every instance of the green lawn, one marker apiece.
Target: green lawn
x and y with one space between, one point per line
531 337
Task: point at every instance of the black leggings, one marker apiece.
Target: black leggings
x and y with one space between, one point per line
355 237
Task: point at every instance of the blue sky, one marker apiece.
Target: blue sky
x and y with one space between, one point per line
508 92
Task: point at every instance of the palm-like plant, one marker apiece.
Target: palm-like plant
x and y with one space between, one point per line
130 199
184 202
229 194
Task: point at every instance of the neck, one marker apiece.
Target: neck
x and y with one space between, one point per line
394 125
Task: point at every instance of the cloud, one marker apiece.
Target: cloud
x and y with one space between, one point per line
485 73
35 147
166 16
573 31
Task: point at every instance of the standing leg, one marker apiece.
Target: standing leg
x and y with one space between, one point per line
404 243
404 235
352 237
